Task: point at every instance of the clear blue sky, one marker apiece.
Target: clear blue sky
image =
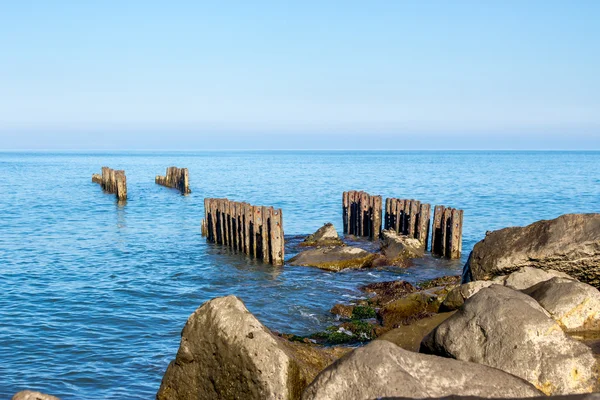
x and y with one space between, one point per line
312 74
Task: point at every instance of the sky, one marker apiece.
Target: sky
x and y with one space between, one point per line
179 75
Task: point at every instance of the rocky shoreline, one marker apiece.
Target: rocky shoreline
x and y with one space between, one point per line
523 320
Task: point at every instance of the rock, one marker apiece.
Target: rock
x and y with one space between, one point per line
382 369
506 329
588 396
457 296
409 337
574 305
324 236
406 310
334 258
225 353
31 395
385 292
569 244
526 277
397 248
342 310
449 280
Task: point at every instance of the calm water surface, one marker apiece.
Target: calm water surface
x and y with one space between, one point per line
93 295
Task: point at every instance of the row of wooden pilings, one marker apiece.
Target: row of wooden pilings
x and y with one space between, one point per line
362 217
177 178
253 230
112 181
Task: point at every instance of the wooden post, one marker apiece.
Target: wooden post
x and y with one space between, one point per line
455 234
423 224
120 185
177 178
436 231
376 221
276 227
345 212
248 229
265 235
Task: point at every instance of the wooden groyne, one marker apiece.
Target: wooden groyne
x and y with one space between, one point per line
408 217
177 178
361 214
446 237
112 181
253 230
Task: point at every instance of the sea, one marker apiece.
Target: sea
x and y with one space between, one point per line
94 294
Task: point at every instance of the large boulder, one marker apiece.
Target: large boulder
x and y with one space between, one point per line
334 258
526 277
506 329
574 305
324 236
410 308
382 369
226 353
569 243
398 248
31 395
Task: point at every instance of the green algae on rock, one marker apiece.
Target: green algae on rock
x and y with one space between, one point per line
335 259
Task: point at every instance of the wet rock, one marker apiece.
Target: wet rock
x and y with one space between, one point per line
574 305
225 353
506 329
334 258
408 309
457 296
398 248
385 292
342 310
409 337
31 395
569 244
446 281
382 369
526 277
324 236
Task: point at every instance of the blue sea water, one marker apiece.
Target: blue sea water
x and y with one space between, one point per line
93 294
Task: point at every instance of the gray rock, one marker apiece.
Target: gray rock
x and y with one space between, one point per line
334 258
506 329
574 305
31 395
324 236
526 277
383 369
397 248
226 353
569 244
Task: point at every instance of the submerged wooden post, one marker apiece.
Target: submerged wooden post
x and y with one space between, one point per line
254 230
361 214
446 238
176 178
113 182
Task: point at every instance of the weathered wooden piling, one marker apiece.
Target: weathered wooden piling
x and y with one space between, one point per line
361 214
253 230
408 217
112 181
446 239
177 178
